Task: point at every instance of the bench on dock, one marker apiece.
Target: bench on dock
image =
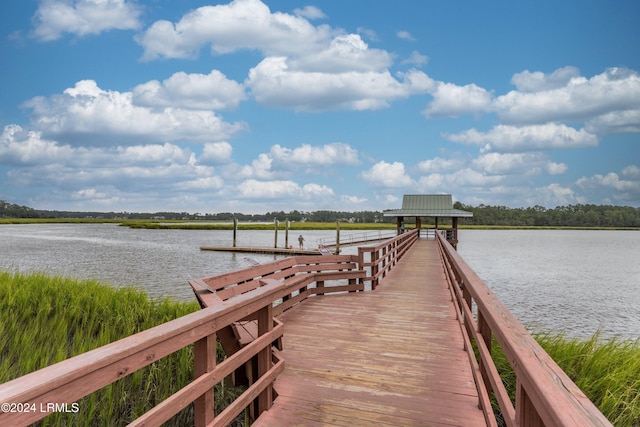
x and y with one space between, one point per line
302 277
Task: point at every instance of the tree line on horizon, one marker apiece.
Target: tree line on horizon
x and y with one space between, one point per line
582 215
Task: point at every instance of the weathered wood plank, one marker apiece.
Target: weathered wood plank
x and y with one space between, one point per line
393 356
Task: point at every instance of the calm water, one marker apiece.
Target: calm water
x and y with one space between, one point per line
159 261
572 281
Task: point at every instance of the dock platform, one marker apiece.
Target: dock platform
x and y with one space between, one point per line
391 357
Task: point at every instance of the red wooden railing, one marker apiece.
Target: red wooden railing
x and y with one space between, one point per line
378 260
545 395
246 295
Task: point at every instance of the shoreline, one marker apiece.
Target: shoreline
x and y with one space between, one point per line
226 225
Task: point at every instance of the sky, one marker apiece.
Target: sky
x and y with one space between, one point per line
277 105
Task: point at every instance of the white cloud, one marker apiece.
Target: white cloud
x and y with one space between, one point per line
89 115
537 81
416 59
368 33
310 12
507 138
553 168
474 178
389 175
255 189
211 91
241 24
450 100
579 99
607 103
305 67
345 53
285 162
553 195
260 168
84 17
198 185
619 188
151 154
405 35
432 183
273 83
517 164
315 156
631 172
117 175
26 148
439 164
459 182
627 121
353 200
216 153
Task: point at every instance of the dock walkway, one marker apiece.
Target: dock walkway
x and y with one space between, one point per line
394 356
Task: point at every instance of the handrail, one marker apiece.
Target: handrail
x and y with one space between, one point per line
251 294
384 256
355 238
545 395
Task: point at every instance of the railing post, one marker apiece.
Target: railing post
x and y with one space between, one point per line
204 356
374 269
485 333
361 264
526 413
265 324
385 260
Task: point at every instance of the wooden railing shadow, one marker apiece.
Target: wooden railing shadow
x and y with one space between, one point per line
545 395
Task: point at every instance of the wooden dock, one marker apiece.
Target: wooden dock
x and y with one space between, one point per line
392 357
379 338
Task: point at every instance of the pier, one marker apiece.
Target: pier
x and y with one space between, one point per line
386 358
401 334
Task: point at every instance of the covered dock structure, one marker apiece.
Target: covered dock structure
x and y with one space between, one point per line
429 205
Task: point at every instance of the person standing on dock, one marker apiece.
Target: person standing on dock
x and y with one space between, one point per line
301 241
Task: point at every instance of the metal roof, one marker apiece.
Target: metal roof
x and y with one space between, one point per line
440 205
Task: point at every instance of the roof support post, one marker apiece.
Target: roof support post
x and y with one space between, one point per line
399 221
454 232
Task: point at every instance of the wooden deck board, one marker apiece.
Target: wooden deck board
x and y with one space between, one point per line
393 356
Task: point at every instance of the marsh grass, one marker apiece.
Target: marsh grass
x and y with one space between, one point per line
607 371
45 320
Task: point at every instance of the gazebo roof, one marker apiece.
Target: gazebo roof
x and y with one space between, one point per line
430 205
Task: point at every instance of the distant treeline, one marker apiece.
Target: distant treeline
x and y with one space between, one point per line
562 216
565 216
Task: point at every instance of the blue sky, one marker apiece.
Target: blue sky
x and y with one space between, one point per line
253 106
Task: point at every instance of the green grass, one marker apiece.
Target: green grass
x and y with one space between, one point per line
607 371
44 320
